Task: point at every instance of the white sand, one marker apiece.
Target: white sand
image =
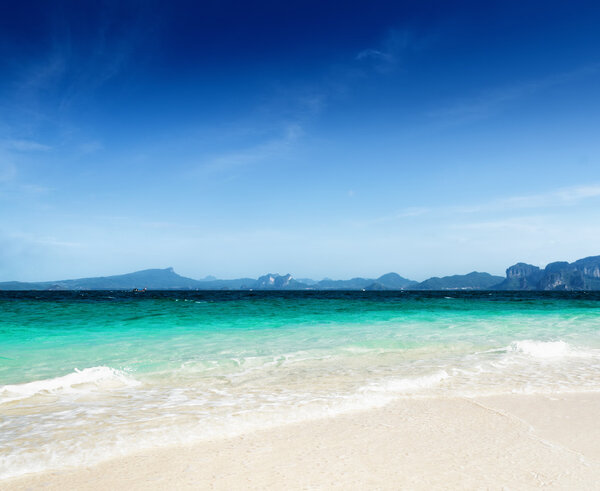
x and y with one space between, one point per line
508 442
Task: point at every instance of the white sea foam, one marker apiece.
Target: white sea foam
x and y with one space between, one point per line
544 349
408 384
79 381
215 414
97 447
243 393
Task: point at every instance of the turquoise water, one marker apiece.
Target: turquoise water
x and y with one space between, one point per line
87 376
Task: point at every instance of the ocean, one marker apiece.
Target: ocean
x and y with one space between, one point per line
86 376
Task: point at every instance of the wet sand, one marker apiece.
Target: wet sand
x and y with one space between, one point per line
502 442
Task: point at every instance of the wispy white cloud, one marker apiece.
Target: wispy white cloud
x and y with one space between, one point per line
529 225
567 196
413 211
8 170
35 189
42 74
47 86
405 213
306 101
24 145
388 53
26 256
272 148
375 54
90 147
41 240
493 99
312 103
300 103
578 193
562 197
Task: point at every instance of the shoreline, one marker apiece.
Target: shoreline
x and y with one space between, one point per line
517 441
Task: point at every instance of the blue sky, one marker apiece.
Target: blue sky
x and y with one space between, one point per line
239 138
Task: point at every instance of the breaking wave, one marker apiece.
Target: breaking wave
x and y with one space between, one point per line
79 381
544 349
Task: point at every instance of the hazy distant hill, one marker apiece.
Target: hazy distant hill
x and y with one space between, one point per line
307 281
389 281
352 284
471 281
153 279
583 274
167 279
278 282
393 281
235 284
22 285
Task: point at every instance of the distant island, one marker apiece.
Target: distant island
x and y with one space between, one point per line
583 274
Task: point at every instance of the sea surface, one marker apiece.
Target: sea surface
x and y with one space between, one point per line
85 376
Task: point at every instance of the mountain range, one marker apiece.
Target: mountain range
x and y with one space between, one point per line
583 274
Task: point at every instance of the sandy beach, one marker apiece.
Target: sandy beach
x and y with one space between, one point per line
299 245
503 442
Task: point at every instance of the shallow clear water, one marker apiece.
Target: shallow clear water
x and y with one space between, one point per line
87 376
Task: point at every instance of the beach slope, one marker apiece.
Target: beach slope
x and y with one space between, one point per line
516 442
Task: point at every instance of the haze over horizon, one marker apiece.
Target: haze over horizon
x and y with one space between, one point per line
233 140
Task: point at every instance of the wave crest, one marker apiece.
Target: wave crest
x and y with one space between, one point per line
542 349
79 381
408 384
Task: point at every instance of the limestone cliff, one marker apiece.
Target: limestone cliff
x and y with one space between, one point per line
583 274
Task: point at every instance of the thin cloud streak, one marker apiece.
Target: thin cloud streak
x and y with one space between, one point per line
385 57
529 225
51 86
8 171
28 238
492 100
563 197
255 154
24 145
375 54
